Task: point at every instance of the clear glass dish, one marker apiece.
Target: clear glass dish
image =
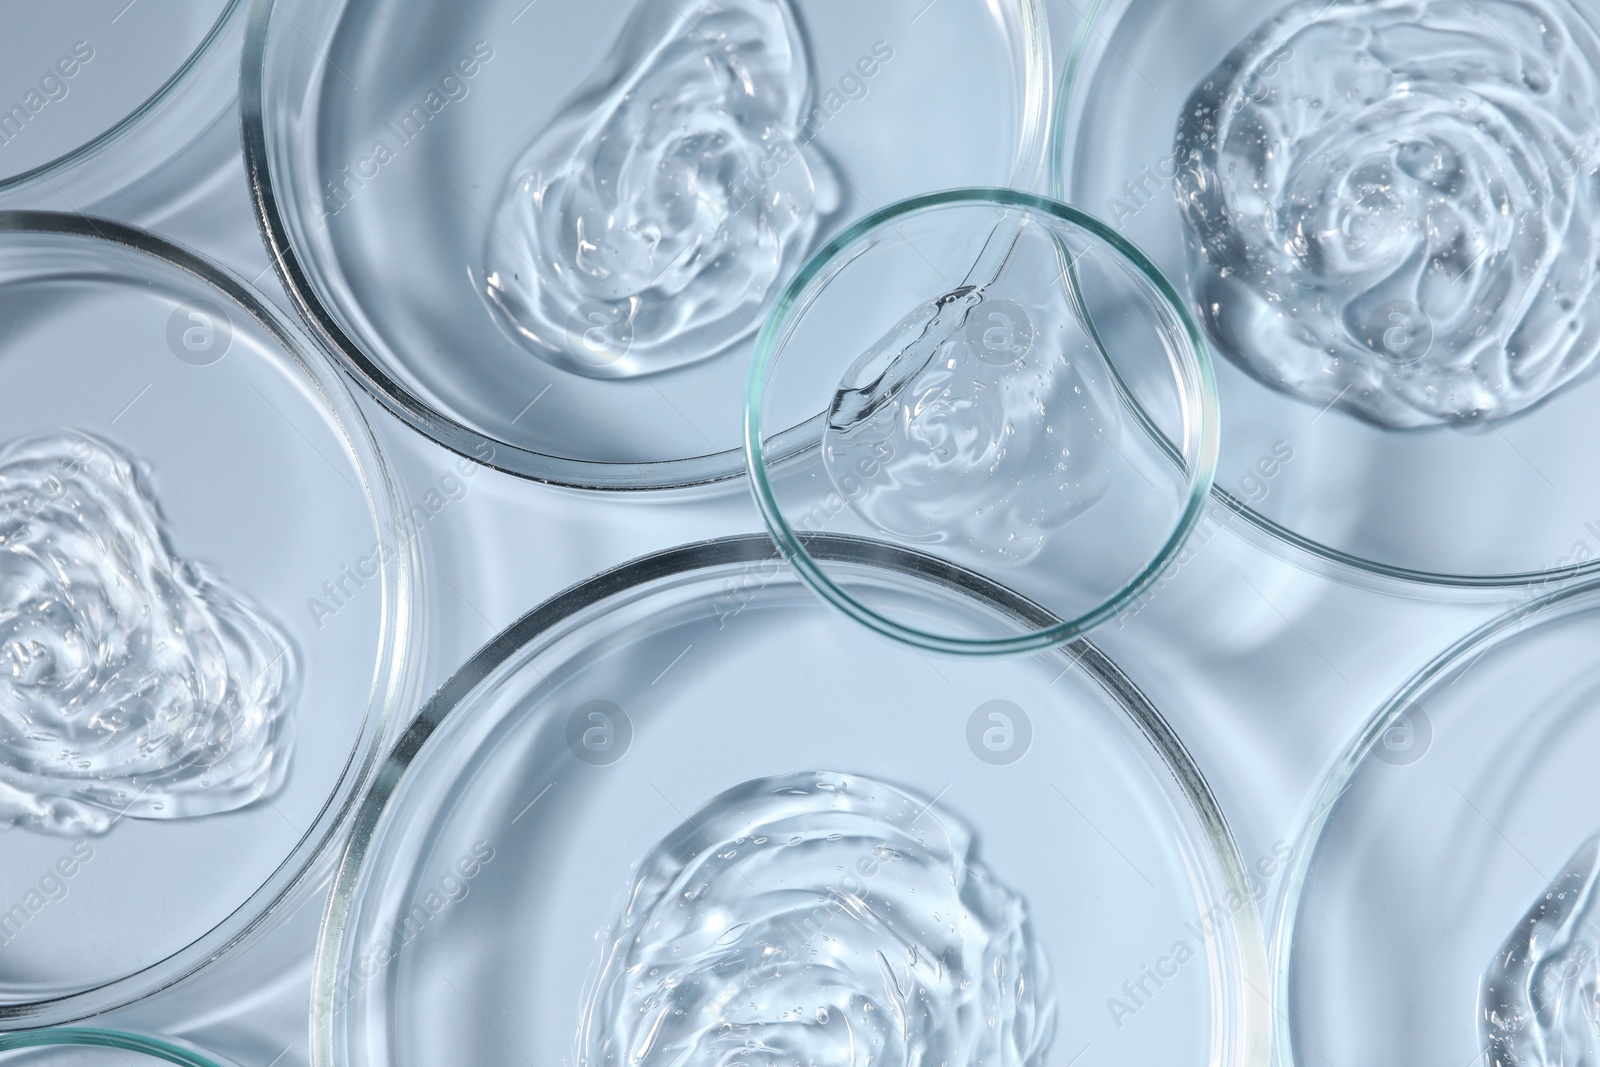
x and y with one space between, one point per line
96 97
469 908
382 218
200 642
1434 838
1007 386
1484 502
73 1046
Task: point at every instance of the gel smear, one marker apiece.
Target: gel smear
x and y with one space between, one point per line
1540 1002
131 682
645 227
1392 204
982 421
818 918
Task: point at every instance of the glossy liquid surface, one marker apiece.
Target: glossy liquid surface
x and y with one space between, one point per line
1540 1001
645 227
819 918
132 682
978 421
1391 205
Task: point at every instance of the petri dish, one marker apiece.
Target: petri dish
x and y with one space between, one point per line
607 720
73 1046
403 240
1447 829
205 613
1455 458
1006 385
97 96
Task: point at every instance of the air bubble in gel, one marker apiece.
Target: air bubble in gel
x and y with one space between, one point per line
131 682
1392 204
818 918
646 226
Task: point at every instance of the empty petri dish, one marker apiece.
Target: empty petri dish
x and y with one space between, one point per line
95 97
1384 213
1441 905
205 604
996 862
552 229
998 381
73 1046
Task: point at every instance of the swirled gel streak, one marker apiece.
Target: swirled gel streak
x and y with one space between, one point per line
977 422
1391 204
131 682
818 918
646 225
1539 1005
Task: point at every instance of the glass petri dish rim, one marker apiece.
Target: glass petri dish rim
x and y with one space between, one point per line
1047 629
1262 531
1551 607
692 471
1241 1036
162 1048
206 52
396 593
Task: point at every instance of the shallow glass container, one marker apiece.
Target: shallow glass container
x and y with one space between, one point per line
206 584
1486 502
1006 386
1435 839
471 907
96 97
73 1046
381 139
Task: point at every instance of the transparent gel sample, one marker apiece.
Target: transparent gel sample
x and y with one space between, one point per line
978 421
132 682
646 226
1540 999
1391 204
819 918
